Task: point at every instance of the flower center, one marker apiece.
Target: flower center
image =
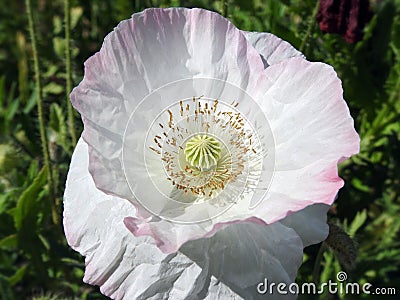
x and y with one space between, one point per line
202 151
208 150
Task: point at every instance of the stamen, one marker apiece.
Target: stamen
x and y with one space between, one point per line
207 149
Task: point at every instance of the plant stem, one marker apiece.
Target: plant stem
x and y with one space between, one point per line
225 8
311 24
39 102
317 264
70 112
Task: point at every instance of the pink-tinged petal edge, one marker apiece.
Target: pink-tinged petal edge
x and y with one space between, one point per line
140 227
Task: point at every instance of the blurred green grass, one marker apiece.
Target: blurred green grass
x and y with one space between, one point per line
35 261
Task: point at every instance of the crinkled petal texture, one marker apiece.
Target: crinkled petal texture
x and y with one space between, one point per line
313 132
271 48
228 265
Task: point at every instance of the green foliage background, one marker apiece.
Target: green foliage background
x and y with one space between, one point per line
36 262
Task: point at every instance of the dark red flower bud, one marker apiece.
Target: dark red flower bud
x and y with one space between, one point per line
345 17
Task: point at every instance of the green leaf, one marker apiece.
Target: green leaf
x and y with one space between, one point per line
59 126
72 262
358 221
57 120
12 109
44 241
3 203
59 46
8 158
33 170
30 104
76 13
18 275
28 202
51 71
358 184
57 25
9 242
53 88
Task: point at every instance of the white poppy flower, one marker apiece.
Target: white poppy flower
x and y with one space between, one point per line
208 158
